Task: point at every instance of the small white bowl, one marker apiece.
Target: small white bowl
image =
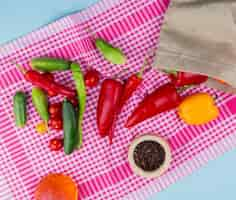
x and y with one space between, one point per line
150 174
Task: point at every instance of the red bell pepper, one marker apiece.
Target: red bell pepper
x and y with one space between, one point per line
108 106
185 78
163 99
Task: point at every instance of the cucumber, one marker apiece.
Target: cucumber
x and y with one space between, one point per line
40 102
69 127
19 103
49 64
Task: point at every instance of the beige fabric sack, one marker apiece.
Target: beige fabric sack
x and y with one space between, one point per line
200 36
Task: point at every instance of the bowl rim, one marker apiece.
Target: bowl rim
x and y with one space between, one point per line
162 169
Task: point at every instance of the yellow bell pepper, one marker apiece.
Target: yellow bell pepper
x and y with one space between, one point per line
198 109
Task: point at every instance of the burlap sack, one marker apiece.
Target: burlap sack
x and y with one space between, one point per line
200 36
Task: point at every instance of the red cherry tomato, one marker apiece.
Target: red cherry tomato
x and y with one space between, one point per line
56 123
55 144
91 78
55 110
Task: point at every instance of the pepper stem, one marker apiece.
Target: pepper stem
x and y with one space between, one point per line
91 32
143 67
174 72
47 127
145 63
20 67
123 70
182 89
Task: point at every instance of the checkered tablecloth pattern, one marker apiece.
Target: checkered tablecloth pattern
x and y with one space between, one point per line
100 170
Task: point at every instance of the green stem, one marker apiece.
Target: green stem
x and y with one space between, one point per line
47 127
20 67
169 71
145 63
118 74
143 67
182 89
91 32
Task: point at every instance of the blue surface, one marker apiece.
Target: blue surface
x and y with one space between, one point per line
215 181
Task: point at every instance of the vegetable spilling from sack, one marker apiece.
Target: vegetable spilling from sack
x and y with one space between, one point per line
114 94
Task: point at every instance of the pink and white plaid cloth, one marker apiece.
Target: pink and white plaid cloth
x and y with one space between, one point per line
100 170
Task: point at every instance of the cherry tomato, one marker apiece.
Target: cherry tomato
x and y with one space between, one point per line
55 144
91 78
56 123
55 110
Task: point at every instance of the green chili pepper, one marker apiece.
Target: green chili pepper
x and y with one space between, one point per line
49 64
20 109
81 92
40 102
112 54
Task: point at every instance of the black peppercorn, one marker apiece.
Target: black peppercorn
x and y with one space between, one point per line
149 155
